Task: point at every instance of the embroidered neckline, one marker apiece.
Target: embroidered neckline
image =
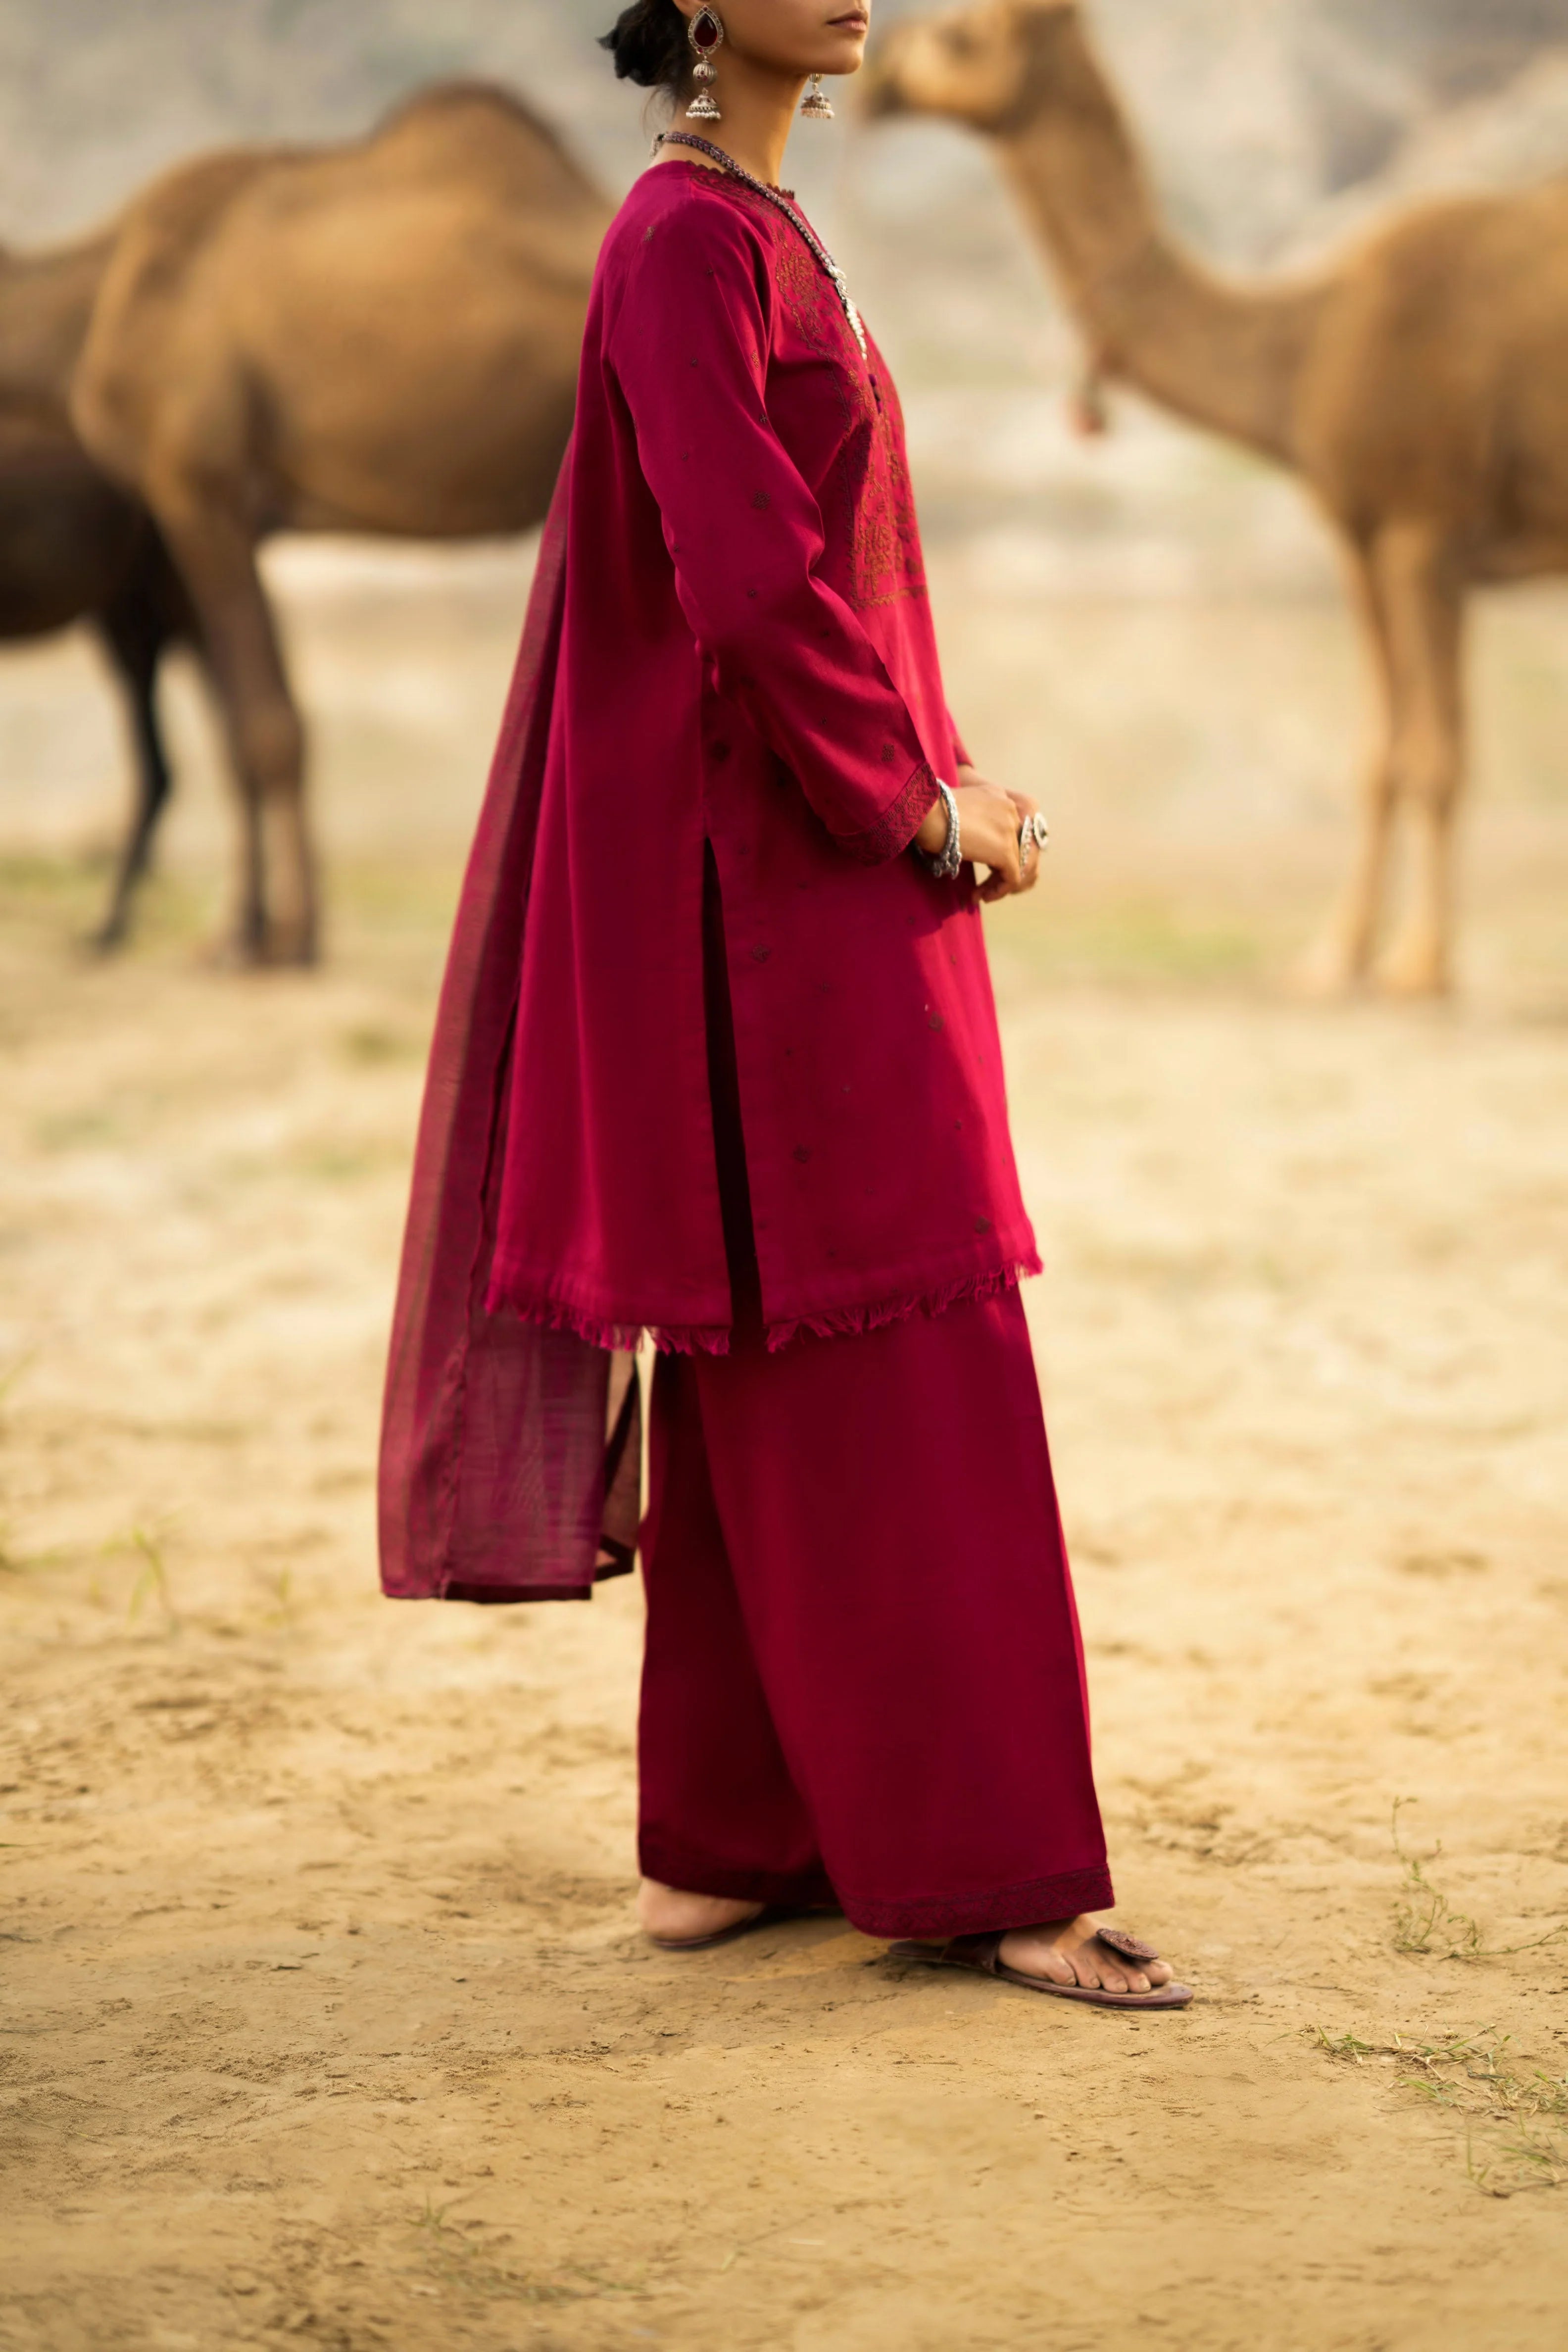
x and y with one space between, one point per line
781 202
769 186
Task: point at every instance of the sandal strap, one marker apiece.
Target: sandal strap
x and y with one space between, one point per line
985 1952
1130 1946
982 1952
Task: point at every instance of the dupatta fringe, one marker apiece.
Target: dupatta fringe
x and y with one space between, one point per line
669 1338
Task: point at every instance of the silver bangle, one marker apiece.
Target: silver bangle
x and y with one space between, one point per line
945 862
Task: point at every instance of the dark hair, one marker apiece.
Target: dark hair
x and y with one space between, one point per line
648 43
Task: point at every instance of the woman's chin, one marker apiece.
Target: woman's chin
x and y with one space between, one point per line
845 56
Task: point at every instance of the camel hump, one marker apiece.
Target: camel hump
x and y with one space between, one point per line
179 209
438 101
483 121
471 124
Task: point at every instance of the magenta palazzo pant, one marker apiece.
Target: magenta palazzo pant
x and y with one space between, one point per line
863 1681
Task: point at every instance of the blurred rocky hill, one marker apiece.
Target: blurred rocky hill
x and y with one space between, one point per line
1256 118
1503 138
1253 114
1270 125
1375 71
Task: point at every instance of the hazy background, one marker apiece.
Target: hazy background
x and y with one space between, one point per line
1226 700
1257 115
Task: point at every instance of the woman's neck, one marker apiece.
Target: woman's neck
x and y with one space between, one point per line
757 113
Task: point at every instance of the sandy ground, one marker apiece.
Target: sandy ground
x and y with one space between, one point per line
325 2021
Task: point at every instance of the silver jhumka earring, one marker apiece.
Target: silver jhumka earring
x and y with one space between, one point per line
705 34
816 106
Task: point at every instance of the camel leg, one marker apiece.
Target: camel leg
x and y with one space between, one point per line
1425 603
275 920
1340 958
136 637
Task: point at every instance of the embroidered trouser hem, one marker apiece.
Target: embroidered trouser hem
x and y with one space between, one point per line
1040 1899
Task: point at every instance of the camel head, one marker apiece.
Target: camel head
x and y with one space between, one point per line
994 65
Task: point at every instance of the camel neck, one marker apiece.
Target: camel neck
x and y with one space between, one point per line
46 303
1225 357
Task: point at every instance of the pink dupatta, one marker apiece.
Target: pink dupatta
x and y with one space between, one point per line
511 1454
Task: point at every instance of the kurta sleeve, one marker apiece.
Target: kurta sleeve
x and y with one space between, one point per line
688 347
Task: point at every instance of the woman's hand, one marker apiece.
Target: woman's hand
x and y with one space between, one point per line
989 821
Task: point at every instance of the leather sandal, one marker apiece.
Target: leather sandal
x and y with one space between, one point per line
983 1954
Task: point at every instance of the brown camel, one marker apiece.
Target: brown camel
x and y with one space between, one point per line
74 548
1418 388
378 337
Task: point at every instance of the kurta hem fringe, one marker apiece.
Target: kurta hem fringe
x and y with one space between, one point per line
713 1339
848 1322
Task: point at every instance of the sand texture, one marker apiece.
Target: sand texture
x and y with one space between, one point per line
325 2021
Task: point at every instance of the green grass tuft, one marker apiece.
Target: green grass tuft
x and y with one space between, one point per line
1468 2074
1426 1923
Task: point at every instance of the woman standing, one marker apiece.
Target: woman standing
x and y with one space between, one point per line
717 1060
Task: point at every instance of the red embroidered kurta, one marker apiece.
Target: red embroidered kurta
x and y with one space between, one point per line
729 645
746 658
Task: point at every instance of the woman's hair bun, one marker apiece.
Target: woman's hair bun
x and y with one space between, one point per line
648 42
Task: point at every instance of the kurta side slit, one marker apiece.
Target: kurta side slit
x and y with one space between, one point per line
863 1680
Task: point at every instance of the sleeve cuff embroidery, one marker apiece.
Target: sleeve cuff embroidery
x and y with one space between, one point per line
899 822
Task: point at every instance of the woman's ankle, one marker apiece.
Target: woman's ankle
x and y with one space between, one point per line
678 1915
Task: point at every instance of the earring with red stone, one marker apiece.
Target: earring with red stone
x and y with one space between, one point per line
705 34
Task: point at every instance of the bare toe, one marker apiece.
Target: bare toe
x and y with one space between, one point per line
1070 1953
